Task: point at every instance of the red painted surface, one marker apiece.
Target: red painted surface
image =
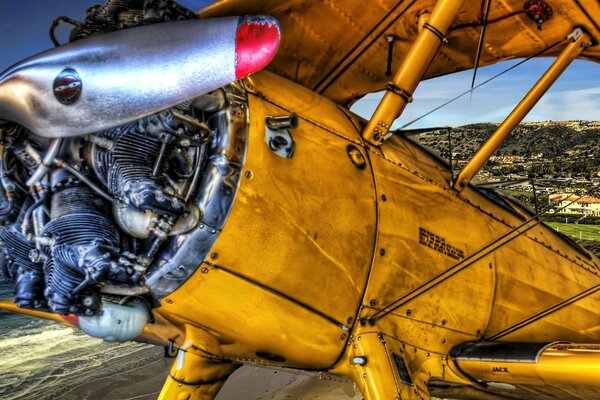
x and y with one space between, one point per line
70 319
256 43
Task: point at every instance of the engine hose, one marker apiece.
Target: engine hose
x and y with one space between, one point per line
47 162
30 210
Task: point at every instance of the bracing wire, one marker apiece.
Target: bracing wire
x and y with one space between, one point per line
484 24
536 54
462 264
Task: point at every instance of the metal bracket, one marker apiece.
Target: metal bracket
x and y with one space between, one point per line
278 137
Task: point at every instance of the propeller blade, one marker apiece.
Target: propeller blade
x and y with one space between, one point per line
107 80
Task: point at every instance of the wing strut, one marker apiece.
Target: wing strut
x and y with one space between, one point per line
400 90
580 40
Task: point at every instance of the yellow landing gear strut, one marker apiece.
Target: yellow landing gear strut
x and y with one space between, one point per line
197 374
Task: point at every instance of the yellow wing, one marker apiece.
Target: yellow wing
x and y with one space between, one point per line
339 48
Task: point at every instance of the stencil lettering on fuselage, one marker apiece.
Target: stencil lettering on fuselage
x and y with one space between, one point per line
438 243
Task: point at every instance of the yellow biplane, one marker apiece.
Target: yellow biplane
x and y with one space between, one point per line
261 221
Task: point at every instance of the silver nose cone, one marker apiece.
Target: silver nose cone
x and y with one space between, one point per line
111 79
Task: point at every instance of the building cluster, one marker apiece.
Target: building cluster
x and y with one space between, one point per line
570 203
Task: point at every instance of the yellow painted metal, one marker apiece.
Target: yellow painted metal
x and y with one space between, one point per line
560 364
339 48
313 243
291 264
286 275
198 373
523 277
570 52
9 306
400 90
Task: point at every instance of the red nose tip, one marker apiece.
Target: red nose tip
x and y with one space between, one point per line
256 43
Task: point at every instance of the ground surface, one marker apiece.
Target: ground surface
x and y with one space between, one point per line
578 231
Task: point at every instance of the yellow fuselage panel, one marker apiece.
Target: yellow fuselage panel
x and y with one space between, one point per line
312 241
294 256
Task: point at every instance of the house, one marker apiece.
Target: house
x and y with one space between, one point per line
569 203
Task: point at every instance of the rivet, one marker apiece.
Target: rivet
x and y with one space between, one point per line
343 337
382 252
443 322
408 313
358 338
204 270
383 197
443 340
249 174
169 301
373 302
376 137
214 256
364 375
349 320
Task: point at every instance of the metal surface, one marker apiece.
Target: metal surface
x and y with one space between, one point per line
116 84
216 193
117 322
552 364
579 42
499 351
252 289
290 272
46 163
345 60
415 63
278 136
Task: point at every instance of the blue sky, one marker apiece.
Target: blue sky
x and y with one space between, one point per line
24 26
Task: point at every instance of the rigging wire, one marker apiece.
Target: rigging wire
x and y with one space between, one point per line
486 13
462 264
536 54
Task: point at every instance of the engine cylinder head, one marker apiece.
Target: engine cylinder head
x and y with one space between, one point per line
79 256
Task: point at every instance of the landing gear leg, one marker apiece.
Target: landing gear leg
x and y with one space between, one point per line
194 376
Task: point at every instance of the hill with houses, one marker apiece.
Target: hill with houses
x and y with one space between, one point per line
560 156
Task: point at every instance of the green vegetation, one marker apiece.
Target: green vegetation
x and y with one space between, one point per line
578 231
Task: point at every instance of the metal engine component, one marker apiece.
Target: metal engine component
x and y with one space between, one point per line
27 274
97 216
66 82
79 256
117 322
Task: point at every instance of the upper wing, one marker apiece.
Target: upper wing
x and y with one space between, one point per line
339 48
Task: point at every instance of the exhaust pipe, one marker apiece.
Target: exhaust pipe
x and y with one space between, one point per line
508 364
108 80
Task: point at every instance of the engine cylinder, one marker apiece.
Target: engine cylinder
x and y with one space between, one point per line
79 256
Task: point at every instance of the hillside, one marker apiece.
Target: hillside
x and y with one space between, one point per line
561 153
